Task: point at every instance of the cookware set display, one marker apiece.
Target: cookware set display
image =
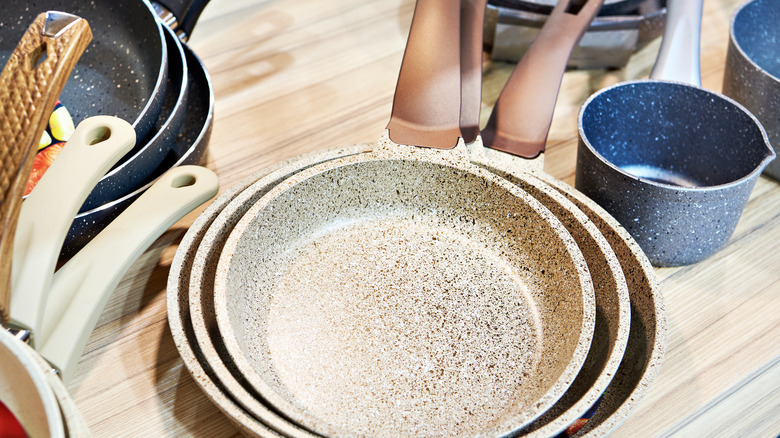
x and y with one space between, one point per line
436 283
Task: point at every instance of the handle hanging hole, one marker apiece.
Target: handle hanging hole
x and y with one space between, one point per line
99 135
37 57
183 181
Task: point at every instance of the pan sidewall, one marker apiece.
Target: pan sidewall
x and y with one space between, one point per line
672 226
757 89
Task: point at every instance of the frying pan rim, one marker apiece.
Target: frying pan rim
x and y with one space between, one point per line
735 41
130 161
710 188
161 78
23 355
440 159
197 141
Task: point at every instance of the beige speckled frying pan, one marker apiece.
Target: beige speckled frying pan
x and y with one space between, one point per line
488 318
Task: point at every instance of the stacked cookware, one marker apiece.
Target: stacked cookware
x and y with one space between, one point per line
439 282
120 207
138 68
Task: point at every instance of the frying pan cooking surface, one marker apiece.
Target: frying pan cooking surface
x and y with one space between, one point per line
122 71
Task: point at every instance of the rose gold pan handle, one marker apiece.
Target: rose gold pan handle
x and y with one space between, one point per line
472 19
523 113
30 85
426 107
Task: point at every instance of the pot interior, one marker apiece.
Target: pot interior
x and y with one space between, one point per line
756 31
673 133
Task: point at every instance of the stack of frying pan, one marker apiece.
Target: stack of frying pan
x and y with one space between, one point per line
138 69
435 283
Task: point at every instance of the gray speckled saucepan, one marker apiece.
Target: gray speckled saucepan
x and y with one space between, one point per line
189 147
672 162
752 75
418 270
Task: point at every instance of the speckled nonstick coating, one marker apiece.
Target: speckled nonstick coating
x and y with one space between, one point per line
449 225
188 148
122 72
135 168
190 297
752 75
672 162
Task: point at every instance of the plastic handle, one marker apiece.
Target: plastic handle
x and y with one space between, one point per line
82 286
95 146
426 106
29 87
521 118
678 57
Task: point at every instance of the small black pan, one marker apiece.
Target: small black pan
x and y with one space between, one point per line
189 147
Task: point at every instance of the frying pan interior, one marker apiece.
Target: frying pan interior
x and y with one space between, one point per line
673 133
409 267
121 72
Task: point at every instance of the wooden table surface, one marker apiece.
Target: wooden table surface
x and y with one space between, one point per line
293 76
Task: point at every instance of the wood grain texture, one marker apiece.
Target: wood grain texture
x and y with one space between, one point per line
294 76
30 85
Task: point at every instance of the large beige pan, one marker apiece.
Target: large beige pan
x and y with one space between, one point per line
446 300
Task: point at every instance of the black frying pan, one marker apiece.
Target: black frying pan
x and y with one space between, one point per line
122 72
189 147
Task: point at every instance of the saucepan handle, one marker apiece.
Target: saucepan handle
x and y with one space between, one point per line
82 286
679 56
522 115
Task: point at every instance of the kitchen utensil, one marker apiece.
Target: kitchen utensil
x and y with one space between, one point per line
96 144
134 170
519 124
433 221
189 147
672 162
103 263
121 74
82 285
610 42
752 75
610 7
30 82
215 373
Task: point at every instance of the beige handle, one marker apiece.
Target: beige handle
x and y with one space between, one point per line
28 93
426 106
523 113
82 286
47 213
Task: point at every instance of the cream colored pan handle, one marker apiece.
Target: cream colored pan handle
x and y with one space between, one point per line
523 113
679 56
47 213
82 286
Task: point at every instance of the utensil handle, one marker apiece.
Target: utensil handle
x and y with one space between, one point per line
45 217
472 19
521 117
186 12
83 285
30 84
679 56
426 106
